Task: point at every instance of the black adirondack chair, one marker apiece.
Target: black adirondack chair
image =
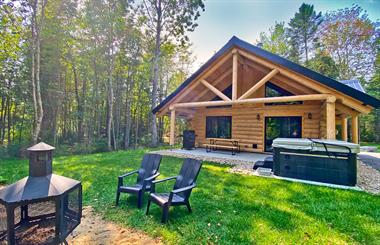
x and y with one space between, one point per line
145 175
180 194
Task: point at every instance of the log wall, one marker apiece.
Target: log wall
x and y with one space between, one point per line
249 128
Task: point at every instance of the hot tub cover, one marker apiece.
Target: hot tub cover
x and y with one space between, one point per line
315 145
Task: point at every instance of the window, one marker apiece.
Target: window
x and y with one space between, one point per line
218 127
272 90
227 92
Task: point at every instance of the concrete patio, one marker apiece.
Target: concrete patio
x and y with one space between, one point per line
224 157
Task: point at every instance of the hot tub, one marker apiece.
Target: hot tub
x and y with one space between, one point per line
328 161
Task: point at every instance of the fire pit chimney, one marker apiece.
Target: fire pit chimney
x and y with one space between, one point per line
40 160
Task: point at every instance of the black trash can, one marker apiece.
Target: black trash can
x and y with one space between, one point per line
327 161
188 140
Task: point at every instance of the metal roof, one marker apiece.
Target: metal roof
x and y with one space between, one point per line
35 188
236 42
354 84
42 146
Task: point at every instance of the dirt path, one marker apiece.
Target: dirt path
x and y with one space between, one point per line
95 231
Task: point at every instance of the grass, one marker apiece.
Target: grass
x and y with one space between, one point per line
227 208
377 145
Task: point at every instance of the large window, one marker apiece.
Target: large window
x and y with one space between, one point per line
272 90
218 127
281 127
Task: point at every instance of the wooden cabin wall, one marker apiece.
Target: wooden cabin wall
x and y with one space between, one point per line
249 129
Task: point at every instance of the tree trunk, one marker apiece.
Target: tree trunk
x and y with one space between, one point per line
36 61
80 106
156 61
306 50
22 124
110 88
5 114
2 115
128 119
9 121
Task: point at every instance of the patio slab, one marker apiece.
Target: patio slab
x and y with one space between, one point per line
224 157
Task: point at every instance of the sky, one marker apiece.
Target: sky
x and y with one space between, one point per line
245 19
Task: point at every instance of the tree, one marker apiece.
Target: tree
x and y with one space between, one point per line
349 36
276 41
166 19
324 64
302 31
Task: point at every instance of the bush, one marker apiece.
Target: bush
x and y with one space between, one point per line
13 151
100 145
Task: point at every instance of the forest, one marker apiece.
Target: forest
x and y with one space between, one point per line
84 75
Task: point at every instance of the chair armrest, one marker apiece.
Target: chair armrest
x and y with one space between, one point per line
176 191
152 177
153 186
162 180
128 174
120 178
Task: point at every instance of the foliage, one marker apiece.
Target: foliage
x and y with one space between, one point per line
324 64
342 46
88 49
227 208
349 36
276 41
370 124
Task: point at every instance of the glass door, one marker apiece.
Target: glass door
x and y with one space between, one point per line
281 127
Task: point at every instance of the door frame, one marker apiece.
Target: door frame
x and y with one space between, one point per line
265 127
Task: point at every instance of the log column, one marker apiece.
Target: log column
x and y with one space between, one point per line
234 74
172 127
344 129
330 120
355 129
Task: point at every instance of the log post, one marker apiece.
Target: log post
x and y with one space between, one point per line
355 129
330 120
234 74
344 129
172 127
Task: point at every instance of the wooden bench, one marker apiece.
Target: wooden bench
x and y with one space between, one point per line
213 145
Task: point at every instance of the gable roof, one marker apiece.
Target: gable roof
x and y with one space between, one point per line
236 42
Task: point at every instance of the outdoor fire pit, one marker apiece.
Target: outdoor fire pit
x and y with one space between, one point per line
42 208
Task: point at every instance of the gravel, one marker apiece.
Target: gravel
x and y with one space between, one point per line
368 177
225 161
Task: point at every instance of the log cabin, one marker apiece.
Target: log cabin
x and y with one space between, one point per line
247 93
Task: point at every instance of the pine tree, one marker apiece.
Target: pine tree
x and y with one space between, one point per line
302 31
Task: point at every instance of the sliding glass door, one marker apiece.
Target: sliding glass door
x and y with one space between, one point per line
281 127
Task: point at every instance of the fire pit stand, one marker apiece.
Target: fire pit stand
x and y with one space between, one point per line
42 208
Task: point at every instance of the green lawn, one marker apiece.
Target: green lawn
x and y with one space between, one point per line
228 208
